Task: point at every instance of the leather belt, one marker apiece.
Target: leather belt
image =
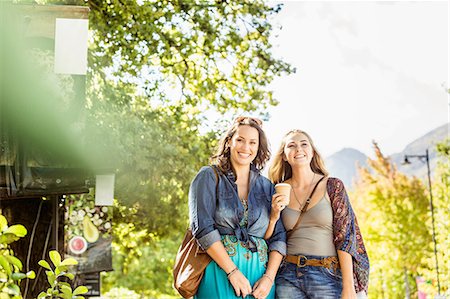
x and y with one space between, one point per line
302 261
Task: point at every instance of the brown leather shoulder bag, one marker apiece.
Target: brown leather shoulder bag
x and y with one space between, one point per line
190 262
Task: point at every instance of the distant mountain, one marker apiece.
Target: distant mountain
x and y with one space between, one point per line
419 147
343 163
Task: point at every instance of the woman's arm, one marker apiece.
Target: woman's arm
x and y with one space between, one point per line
347 236
202 207
239 282
278 204
348 285
277 249
263 286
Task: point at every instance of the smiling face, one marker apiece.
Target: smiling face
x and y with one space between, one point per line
298 149
244 146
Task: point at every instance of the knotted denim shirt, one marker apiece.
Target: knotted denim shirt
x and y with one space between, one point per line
211 217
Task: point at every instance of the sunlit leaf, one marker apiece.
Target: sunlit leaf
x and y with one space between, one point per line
15 261
55 257
69 262
3 223
31 275
17 229
44 264
5 264
80 290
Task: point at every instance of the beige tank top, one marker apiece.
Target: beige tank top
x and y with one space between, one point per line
314 236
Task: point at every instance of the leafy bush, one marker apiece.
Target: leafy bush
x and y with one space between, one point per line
58 287
119 293
11 266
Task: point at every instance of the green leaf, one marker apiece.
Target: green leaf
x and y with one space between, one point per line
41 295
31 274
70 276
62 283
8 238
55 257
15 261
13 289
45 264
18 276
17 229
3 223
69 262
5 265
80 290
50 277
67 291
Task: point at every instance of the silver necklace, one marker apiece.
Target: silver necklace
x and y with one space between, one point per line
295 195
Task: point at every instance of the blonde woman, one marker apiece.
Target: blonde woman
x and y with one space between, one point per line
326 257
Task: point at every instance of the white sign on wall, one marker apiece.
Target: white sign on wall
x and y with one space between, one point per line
104 189
71 38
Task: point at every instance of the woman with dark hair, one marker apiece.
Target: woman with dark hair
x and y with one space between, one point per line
230 215
326 257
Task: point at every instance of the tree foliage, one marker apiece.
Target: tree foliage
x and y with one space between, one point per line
158 66
214 52
157 71
441 192
393 209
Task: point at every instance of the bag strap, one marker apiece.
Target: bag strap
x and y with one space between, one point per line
302 212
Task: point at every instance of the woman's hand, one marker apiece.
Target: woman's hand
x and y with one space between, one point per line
240 284
348 293
346 263
279 202
262 287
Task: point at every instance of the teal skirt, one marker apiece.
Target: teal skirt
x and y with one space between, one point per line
215 284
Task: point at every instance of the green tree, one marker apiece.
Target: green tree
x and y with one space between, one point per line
393 211
158 66
441 191
157 71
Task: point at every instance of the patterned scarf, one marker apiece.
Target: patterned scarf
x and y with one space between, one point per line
347 236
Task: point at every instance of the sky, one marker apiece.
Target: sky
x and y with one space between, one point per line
365 71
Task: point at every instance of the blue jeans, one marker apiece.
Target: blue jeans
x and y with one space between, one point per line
309 282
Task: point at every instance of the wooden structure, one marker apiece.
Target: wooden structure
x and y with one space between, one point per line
32 187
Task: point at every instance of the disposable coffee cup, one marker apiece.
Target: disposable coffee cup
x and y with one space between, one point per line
283 188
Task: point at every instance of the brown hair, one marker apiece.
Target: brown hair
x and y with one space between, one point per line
222 156
280 170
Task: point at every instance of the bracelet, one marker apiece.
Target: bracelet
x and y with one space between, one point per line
268 277
231 272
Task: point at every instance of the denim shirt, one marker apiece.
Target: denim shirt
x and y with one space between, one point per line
210 217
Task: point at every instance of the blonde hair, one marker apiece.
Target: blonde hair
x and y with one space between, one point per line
280 170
